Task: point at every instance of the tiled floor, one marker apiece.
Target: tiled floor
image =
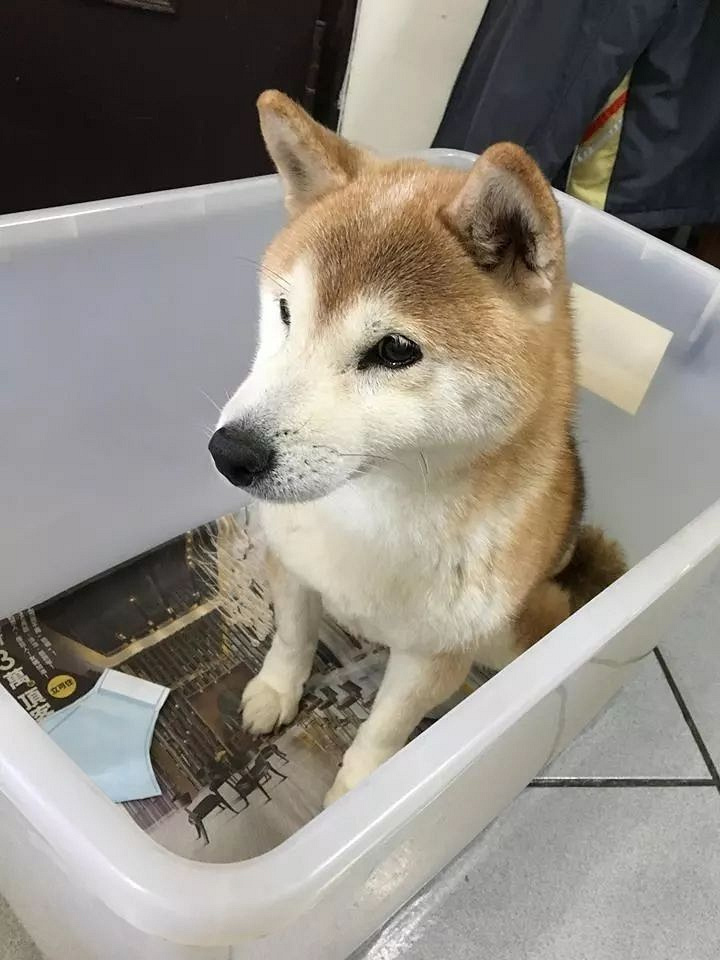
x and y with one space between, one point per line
614 854
591 873
14 943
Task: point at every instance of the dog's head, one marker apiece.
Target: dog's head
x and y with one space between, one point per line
406 311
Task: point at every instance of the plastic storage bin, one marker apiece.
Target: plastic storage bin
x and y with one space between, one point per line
115 316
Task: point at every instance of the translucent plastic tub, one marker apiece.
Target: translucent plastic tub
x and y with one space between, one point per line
116 317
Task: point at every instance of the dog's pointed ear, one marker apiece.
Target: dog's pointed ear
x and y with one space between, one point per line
311 160
509 220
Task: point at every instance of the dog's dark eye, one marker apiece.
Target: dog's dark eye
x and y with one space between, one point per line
392 351
284 311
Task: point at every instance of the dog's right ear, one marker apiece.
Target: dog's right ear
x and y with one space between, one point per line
311 160
509 220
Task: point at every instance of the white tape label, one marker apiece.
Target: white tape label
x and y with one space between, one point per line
619 351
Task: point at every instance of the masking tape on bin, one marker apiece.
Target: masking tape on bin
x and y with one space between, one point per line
619 351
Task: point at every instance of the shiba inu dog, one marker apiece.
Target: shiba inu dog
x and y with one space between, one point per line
407 426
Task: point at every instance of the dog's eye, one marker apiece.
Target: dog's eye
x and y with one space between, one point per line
392 351
284 311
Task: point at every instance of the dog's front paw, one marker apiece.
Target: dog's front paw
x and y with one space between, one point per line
265 707
356 766
339 788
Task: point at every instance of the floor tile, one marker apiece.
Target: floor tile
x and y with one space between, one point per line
14 942
582 874
641 734
692 652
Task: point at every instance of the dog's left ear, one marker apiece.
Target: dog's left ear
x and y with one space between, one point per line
509 220
311 160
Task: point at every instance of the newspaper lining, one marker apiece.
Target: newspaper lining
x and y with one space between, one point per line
194 616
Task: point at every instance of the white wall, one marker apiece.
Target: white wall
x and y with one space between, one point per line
403 65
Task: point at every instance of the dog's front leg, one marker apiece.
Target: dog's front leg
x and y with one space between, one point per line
412 686
273 696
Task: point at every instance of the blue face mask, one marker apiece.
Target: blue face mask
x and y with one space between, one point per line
108 732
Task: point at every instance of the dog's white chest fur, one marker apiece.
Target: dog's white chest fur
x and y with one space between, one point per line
393 567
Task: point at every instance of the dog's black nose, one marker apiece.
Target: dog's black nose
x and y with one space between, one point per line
241 456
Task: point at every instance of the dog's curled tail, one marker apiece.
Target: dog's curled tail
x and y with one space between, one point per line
597 561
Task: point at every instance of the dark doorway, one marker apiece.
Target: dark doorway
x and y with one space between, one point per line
103 98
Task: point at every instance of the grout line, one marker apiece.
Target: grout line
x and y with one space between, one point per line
697 737
620 782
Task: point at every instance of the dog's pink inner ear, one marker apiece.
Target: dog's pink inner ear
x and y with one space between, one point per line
311 160
509 220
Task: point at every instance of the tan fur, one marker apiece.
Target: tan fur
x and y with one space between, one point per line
297 144
470 266
546 607
596 563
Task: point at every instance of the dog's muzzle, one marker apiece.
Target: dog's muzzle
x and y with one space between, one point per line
241 455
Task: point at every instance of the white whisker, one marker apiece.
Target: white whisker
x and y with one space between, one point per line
210 400
271 274
424 469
